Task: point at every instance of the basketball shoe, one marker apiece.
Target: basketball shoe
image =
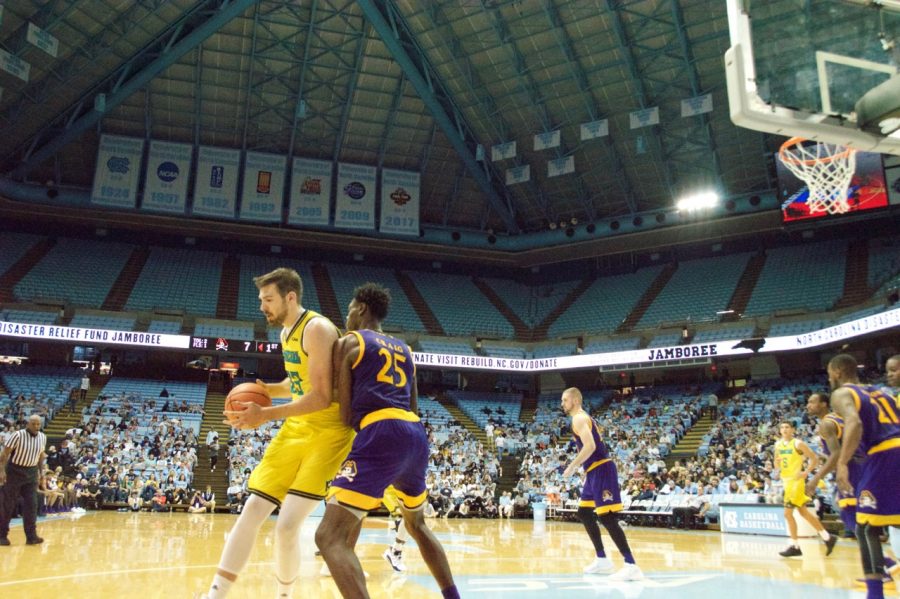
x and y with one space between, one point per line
628 573
600 565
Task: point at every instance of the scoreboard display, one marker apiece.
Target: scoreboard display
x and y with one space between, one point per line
239 346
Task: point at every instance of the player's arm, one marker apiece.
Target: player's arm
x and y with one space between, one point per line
811 456
581 424
41 465
414 394
4 458
346 351
828 432
318 339
843 402
279 389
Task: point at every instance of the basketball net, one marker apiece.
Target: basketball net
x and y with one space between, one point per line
825 168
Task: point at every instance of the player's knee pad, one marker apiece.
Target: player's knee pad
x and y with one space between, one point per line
609 519
586 514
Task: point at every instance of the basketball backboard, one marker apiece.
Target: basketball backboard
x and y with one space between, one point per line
825 70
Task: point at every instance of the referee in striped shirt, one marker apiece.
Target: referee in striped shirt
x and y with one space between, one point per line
21 465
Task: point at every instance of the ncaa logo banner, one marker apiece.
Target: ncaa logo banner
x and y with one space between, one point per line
310 200
355 206
165 182
263 192
215 182
400 202
117 172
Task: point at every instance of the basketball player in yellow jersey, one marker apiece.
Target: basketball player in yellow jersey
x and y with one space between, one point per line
789 456
309 448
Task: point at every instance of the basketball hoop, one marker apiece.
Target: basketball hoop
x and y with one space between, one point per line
827 170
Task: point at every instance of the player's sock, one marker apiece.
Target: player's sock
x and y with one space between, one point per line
219 587
400 539
285 590
824 534
589 520
450 592
874 588
611 523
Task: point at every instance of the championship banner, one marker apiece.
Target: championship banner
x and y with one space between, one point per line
263 192
355 206
594 129
503 151
310 195
215 182
15 66
400 192
166 179
696 105
518 174
545 141
561 166
644 118
41 39
117 172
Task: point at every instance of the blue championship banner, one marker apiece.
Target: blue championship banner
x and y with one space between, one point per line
117 172
400 192
263 192
310 195
215 182
166 179
355 206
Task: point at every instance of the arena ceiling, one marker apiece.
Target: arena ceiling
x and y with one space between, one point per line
408 84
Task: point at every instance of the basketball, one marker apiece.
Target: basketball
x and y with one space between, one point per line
247 392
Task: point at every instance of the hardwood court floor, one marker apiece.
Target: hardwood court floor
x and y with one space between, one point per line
110 554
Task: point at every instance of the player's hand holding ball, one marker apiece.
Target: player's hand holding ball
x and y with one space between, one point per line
244 404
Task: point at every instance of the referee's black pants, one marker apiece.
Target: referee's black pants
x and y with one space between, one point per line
21 483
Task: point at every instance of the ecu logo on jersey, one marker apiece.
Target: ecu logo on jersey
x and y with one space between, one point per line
606 495
867 500
348 471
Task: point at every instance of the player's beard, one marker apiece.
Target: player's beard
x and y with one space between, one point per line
278 317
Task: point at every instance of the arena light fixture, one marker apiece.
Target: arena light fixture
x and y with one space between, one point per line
698 201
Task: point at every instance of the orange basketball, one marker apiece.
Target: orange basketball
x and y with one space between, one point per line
247 392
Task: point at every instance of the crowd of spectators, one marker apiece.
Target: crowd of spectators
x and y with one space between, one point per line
640 430
127 450
137 452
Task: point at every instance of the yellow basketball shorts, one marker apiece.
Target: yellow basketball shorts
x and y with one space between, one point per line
795 493
300 460
390 499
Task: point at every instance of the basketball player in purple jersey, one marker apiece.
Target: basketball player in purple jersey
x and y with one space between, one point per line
376 389
600 496
831 430
892 373
872 424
